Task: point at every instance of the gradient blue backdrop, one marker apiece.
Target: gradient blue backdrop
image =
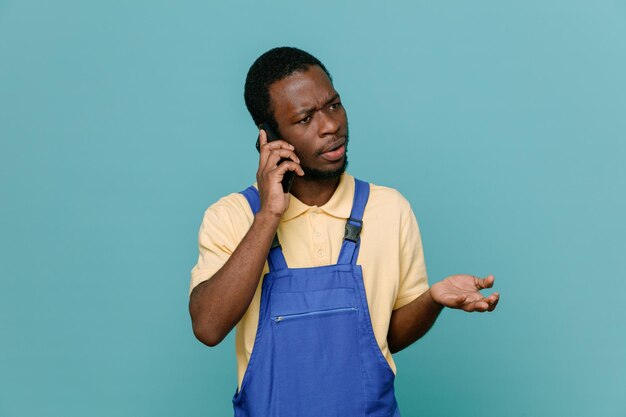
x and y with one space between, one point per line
503 123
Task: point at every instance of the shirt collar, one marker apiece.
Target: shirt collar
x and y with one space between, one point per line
339 205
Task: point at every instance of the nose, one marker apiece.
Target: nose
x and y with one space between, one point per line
330 123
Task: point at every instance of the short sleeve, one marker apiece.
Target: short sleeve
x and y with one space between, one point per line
413 277
224 225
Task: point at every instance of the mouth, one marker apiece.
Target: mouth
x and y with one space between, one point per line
335 152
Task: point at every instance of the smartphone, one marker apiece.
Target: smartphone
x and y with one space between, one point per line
271 135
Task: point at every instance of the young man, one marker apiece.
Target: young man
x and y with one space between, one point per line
323 283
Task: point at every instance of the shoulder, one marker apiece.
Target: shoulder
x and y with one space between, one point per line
229 204
388 199
231 211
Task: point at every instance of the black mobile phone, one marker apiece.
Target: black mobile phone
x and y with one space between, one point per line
271 135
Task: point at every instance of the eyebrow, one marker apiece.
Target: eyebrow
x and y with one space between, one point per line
311 109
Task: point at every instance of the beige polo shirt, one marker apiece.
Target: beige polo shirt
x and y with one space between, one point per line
391 254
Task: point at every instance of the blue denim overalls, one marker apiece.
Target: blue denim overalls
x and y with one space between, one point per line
315 354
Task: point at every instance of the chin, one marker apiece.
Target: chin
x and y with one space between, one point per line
318 174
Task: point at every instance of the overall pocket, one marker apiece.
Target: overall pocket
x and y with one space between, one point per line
317 363
312 314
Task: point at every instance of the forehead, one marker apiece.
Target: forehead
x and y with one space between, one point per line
302 90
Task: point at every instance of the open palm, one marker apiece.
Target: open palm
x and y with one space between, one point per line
463 292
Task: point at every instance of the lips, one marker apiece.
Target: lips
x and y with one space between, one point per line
335 153
334 146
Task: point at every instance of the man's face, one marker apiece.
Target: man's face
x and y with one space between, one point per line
310 117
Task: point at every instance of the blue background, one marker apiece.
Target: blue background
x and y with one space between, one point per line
501 122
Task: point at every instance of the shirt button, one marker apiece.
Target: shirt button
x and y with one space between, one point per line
320 253
317 233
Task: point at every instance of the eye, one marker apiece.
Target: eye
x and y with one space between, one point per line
335 106
305 120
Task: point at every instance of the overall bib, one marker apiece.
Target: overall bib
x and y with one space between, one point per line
315 353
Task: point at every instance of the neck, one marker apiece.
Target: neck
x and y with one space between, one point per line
314 192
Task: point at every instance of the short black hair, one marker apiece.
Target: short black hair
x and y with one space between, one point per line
272 66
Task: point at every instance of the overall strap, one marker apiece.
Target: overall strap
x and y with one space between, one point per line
252 195
350 246
275 258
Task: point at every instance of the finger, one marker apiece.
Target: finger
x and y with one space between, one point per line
287 166
275 144
265 147
276 155
262 147
262 137
485 304
480 306
481 284
493 301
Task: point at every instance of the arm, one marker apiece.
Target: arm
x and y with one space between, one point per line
411 322
217 305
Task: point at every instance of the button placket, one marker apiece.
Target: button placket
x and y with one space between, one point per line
322 246
316 222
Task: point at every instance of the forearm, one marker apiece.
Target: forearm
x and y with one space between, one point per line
217 305
411 322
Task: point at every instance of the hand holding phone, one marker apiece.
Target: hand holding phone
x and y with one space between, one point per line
272 136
